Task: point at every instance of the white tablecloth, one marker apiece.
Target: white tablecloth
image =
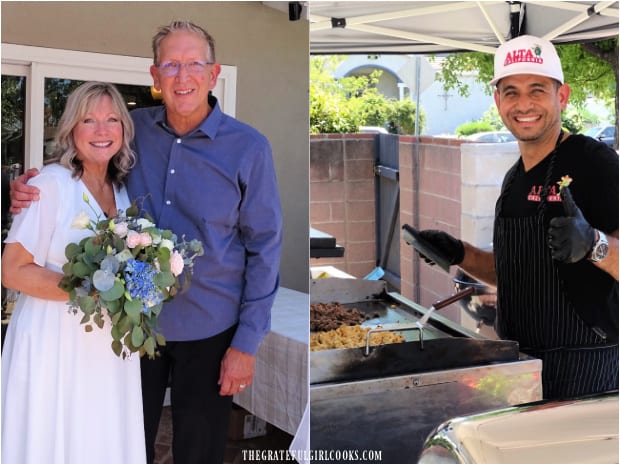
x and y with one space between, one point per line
279 392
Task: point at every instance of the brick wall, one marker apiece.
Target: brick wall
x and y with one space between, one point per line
342 203
342 198
438 201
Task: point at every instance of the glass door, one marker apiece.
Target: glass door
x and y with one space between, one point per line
57 91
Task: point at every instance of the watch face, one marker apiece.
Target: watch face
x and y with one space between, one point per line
601 250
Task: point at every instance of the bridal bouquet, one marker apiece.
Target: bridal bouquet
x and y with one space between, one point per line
125 271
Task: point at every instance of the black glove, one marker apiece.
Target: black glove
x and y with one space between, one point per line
571 238
451 249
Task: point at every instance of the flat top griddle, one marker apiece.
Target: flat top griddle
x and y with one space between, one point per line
390 400
383 312
435 347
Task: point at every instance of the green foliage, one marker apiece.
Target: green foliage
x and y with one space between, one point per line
343 105
492 118
473 127
403 116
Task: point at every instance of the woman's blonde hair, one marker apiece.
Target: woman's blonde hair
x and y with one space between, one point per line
80 101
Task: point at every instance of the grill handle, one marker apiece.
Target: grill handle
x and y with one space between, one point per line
454 298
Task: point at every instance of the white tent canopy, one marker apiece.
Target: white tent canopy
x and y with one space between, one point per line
426 27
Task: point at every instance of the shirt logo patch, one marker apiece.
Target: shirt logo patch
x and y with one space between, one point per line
535 193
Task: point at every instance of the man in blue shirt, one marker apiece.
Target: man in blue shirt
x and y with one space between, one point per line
207 176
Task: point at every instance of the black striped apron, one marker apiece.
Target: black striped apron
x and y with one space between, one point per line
534 310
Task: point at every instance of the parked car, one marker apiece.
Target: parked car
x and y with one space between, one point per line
373 130
492 136
582 430
605 134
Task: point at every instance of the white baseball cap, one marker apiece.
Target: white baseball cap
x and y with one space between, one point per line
527 55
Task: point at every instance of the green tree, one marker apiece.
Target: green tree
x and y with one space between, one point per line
344 104
591 69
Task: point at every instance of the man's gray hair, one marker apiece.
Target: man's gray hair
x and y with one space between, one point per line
182 26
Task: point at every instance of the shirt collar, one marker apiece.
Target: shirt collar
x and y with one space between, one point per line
210 124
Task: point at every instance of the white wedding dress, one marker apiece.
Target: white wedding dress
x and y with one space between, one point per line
66 397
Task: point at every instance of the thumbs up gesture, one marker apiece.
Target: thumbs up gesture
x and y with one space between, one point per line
570 237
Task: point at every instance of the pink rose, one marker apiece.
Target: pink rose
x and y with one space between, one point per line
145 239
133 239
176 263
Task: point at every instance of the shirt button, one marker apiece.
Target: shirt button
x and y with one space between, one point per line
172 171
178 141
168 202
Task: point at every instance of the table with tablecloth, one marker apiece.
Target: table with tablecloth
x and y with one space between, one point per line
279 392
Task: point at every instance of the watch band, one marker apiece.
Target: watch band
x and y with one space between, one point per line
600 249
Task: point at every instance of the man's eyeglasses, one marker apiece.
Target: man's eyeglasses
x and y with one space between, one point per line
171 68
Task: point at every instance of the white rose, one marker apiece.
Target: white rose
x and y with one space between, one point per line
168 244
121 229
176 263
144 223
81 221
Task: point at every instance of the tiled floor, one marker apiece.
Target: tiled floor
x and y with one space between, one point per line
275 439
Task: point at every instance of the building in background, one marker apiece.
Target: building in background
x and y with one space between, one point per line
444 111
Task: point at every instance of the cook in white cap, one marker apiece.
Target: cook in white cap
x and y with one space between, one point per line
555 249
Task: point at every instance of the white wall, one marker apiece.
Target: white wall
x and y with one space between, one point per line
444 115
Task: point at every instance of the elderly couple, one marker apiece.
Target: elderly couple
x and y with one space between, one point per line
66 397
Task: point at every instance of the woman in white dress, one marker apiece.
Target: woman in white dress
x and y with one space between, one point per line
66 397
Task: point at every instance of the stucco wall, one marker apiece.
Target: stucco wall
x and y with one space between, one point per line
269 51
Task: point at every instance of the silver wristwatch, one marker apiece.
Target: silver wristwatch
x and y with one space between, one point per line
600 249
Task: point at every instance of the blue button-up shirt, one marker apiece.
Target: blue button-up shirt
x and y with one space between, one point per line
216 184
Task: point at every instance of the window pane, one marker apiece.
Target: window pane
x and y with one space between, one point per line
13 101
57 91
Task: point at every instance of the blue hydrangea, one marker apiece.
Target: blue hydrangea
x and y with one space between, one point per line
139 283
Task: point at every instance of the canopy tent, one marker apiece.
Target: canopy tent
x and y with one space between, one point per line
428 27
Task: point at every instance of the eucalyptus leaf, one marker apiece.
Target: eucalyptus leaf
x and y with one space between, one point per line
149 346
92 247
67 268
110 264
116 292
156 309
87 303
132 210
117 347
124 324
128 343
113 306
163 279
81 270
161 340
103 280
133 308
137 336
72 250
98 319
116 333
116 318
